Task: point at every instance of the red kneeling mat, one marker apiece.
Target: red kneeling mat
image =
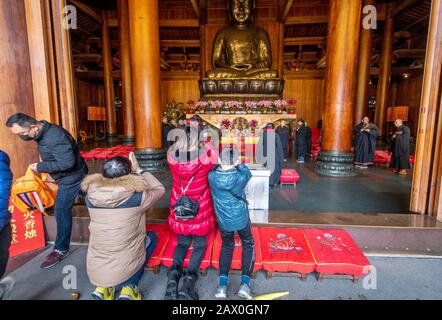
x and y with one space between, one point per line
285 250
167 258
335 252
237 252
163 233
289 176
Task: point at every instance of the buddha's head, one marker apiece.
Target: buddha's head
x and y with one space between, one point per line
240 11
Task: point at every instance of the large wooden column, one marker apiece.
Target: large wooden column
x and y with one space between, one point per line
336 158
15 83
65 80
109 90
145 59
126 74
426 193
365 52
384 79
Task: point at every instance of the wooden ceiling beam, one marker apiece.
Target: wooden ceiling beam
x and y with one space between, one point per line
179 23
196 8
180 43
402 6
285 10
304 41
87 10
306 20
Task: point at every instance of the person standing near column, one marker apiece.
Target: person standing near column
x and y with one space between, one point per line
5 226
60 157
284 134
365 134
301 141
400 157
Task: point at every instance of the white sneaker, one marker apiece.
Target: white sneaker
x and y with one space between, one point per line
6 286
221 292
245 292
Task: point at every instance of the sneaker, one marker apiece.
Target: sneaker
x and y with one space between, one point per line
300 161
6 286
103 293
130 292
53 258
285 160
403 172
245 291
221 292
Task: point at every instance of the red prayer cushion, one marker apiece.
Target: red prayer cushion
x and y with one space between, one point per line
237 252
289 176
285 250
335 252
167 257
163 233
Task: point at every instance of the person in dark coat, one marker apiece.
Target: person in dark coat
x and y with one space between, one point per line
166 128
301 141
276 160
5 226
309 139
400 157
227 183
60 157
364 143
284 134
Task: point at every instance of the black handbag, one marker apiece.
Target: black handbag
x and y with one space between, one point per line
185 208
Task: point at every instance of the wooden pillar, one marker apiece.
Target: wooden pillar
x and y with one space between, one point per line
126 74
42 64
336 158
16 84
384 78
426 189
65 70
365 52
109 89
145 58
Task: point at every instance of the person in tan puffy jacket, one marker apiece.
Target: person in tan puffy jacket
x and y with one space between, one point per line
119 247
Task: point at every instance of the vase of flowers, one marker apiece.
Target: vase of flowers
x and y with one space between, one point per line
201 106
250 106
291 106
264 105
190 107
280 105
233 106
226 124
216 106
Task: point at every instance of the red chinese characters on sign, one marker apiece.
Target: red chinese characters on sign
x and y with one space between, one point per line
27 231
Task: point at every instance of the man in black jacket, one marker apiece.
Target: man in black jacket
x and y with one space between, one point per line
60 157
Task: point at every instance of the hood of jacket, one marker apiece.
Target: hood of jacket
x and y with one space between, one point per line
226 179
111 193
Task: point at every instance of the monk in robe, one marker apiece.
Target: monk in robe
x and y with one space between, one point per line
165 131
400 148
301 142
309 139
284 134
364 143
261 150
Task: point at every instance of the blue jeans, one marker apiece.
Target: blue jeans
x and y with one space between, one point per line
64 202
135 279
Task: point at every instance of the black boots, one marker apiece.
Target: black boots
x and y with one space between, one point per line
187 290
173 277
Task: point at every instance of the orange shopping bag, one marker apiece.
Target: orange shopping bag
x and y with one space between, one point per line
32 192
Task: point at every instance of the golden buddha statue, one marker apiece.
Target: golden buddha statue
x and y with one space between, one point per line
241 50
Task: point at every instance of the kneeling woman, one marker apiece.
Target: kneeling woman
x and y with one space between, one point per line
190 164
119 246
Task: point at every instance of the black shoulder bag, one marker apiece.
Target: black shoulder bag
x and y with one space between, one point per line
185 208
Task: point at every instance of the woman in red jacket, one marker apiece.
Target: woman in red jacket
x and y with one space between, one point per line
190 164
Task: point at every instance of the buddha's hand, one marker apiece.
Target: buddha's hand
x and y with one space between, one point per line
242 67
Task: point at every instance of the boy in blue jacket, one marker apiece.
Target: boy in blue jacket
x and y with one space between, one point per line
227 183
5 226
